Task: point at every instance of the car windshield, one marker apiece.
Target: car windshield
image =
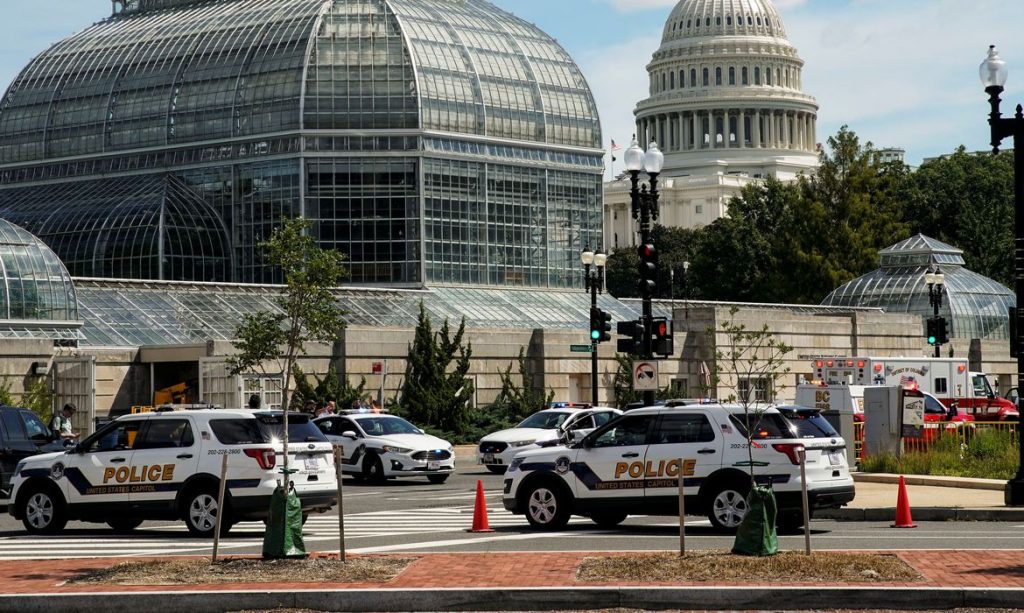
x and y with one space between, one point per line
300 428
545 420
809 424
382 426
764 425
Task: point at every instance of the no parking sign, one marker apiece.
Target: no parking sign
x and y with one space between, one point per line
645 376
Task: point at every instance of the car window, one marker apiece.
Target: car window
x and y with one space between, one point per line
347 425
933 407
764 426
809 424
13 425
35 428
602 418
167 434
545 420
583 423
675 429
237 431
626 432
383 426
981 388
115 437
327 426
300 428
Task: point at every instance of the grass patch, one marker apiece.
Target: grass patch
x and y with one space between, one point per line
987 454
246 570
723 567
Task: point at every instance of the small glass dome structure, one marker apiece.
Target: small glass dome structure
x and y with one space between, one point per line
975 306
36 285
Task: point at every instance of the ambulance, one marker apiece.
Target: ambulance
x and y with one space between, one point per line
948 379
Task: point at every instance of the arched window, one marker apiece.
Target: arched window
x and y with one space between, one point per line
682 83
662 81
728 20
718 76
706 77
758 20
768 76
718 21
778 77
750 21
693 77
732 75
744 76
757 75
689 22
672 80
707 22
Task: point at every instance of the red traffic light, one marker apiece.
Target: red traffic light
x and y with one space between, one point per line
647 252
662 329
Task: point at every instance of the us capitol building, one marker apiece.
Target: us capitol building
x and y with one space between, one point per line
726 107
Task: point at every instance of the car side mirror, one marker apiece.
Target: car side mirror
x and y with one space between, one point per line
349 434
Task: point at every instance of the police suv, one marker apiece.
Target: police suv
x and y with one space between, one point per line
167 465
631 466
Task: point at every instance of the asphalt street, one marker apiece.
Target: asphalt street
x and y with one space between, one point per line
412 515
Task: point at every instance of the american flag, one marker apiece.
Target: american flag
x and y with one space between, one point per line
614 146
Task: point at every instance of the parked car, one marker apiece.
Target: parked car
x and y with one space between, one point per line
22 434
378 446
497 449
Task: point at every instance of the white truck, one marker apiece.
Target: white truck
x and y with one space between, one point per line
948 379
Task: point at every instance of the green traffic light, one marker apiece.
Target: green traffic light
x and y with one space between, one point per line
931 340
595 334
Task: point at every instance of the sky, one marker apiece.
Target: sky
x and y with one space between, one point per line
899 73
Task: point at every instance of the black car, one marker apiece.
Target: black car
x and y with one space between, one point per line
22 434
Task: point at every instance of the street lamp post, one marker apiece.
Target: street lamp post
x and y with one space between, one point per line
993 76
593 276
644 205
686 289
935 280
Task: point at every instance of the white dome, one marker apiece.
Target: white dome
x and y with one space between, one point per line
703 18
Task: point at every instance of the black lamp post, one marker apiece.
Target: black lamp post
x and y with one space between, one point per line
593 276
935 280
993 76
645 211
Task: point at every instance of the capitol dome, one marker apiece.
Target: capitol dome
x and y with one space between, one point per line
726 93
431 141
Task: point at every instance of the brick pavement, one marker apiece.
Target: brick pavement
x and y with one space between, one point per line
509 570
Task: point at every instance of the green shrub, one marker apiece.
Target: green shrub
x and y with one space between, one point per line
987 454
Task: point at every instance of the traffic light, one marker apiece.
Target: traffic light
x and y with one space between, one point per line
600 325
664 343
943 336
648 270
633 331
933 331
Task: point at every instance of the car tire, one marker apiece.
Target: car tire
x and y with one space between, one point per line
608 519
727 504
547 505
124 524
789 521
43 512
373 469
497 469
201 513
437 479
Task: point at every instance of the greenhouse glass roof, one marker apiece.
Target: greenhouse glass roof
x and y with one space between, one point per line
974 305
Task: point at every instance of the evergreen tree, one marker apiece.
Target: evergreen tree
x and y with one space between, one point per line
517 400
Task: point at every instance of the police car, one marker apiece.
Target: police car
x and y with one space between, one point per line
497 449
167 466
632 464
377 446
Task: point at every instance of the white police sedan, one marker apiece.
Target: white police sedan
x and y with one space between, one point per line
379 446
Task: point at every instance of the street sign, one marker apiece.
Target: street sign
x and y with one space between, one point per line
581 348
645 376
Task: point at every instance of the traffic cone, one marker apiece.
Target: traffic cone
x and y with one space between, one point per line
903 519
480 511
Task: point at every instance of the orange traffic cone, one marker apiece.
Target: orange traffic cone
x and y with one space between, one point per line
480 511
903 519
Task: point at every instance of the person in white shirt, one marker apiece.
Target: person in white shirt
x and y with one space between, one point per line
61 423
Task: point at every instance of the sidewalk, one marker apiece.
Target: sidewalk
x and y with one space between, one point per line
504 581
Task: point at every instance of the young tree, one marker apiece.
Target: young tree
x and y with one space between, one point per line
308 311
436 391
749 361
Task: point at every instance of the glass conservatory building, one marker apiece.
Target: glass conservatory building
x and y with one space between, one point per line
432 141
975 306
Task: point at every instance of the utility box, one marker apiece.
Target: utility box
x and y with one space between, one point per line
891 413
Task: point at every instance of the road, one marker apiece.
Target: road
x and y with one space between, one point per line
405 516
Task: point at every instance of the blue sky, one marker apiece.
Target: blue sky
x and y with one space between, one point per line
898 72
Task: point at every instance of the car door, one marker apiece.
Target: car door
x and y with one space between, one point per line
99 470
352 449
610 461
165 454
8 457
682 442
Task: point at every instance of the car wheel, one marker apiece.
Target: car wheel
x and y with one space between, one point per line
373 469
497 469
547 507
728 505
608 519
42 512
124 525
437 479
789 521
201 514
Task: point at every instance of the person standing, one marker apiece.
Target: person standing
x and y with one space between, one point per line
61 423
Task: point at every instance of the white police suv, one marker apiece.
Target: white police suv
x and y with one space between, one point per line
632 464
377 446
167 466
497 449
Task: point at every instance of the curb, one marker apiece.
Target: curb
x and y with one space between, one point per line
522 599
922 514
932 481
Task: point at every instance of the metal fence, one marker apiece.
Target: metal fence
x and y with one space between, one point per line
963 430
